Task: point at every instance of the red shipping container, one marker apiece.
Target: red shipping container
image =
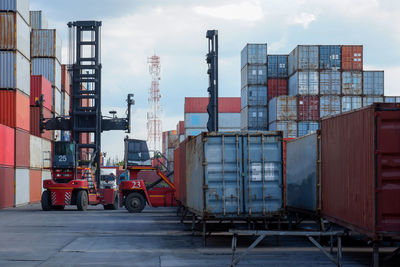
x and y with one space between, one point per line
7 177
360 170
35 117
180 127
14 109
40 86
65 79
308 108
199 104
22 148
35 185
7 146
352 57
180 172
277 87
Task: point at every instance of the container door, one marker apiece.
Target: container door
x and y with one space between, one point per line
388 171
262 169
223 182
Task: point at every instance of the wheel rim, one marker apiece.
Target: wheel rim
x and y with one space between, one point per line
135 203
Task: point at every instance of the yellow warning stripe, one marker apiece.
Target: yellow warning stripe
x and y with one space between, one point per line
156 196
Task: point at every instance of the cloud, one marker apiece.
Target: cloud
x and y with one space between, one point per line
245 11
304 19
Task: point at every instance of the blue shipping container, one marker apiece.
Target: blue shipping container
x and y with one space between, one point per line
351 102
351 83
329 82
282 108
329 105
254 118
277 66
304 83
330 57
289 128
303 57
369 100
392 99
253 54
307 127
254 95
373 83
254 75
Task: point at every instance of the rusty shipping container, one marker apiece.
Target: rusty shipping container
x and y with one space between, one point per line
7 177
180 173
14 33
277 87
352 57
14 71
38 20
308 108
35 185
22 148
7 146
40 86
199 104
20 6
360 170
46 43
65 79
35 118
14 109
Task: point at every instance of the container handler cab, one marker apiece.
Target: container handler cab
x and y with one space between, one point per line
137 191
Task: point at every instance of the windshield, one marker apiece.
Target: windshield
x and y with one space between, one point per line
63 148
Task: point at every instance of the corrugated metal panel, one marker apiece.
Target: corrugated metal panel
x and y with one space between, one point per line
282 108
308 108
180 127
254 54
20 6
289 128
329 82
14 71
35 185
277 87
373 83
180 172
36 155
57 101
307 127
46 43
65 79
197 131
352 83
199 104
277 66
392 99
254 75
49 68
22 188
330 57
225 120
46 175
352 57
7 144
254 118
22 148
67 99
304 83
38 20
369 100
254 95
7 178
329 105
46 149
14 109
14 33
40 86
35 118
303 57
351 102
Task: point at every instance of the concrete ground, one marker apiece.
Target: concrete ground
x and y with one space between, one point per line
155 237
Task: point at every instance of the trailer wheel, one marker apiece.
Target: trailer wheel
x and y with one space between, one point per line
113 206
135 202
45 201
82 200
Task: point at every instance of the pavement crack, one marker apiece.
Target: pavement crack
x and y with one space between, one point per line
59 250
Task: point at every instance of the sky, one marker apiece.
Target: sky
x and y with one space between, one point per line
175 30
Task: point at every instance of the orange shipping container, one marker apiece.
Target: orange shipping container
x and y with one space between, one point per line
14 109
35 185
7 176
22 148
352 57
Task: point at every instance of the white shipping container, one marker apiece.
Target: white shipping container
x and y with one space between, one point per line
46 43
46 152
20 6
46 175
38 20
36 157
14 33
66 98
22 190
49 68
57 101
14 71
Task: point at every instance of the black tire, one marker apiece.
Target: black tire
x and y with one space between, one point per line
82 200
46 200
113 206
135 202
58 207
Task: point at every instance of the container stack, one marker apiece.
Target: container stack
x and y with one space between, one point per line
352 68
170 141
373 87
65 98
180 129
254 96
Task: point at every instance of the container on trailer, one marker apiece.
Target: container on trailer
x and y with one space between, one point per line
36 155
352 57
22 148
7 145
277 66
254 95
352 83
14 33
22 187
289 128
307 127
304 83
180 172
226 176
254 75
14 109
38 20
40 86
35 185
359 170
50 68
277 87
308 108
46 43
35 120
254 118
199 104
329 82
330 57
351 102
373 83
7 178
253 54
65 79
303 57
282 108
14 71
20 6
329 105
303 174
369 100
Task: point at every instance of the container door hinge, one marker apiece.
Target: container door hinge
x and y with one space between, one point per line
205 163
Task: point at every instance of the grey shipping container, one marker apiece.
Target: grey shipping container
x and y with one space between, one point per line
20 6
225 120
329 82
304 83
303 57
303 192
254 118
14 71
277 66
234 175
254 75
351 83
329 105
351 102
282 108
330 57
289 128
373 83
254 54
22 186
369 100
392 99
197 131
254 95
49 68
46 43
14 33
38 20
307 127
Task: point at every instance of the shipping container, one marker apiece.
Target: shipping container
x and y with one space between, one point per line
330 57
289 128
277 87
282 108
38 20
36 155
225 120
277 66
50 68
235 175
254 118
373 83
254 95
303 58
40 86
14 33
35 186
329 82
66 104
35 122
199 104
351 102
46 152
197 131
22 188
254 54
308 108
254 75
180 127
180 172
352 57
57 101
329 105
65 136
304 83
359 170
65 79
173 139
307 127
392 99
46 43
369 100
14 71
20 6
14 109
7 178
302 174
22 148
7 145
351 83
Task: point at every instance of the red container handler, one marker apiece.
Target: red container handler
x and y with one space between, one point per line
35 185
308 108
277 87
34 122
352 57
7 146
360 170
7 177
22 148
65 79
14 109
40 86
180 172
